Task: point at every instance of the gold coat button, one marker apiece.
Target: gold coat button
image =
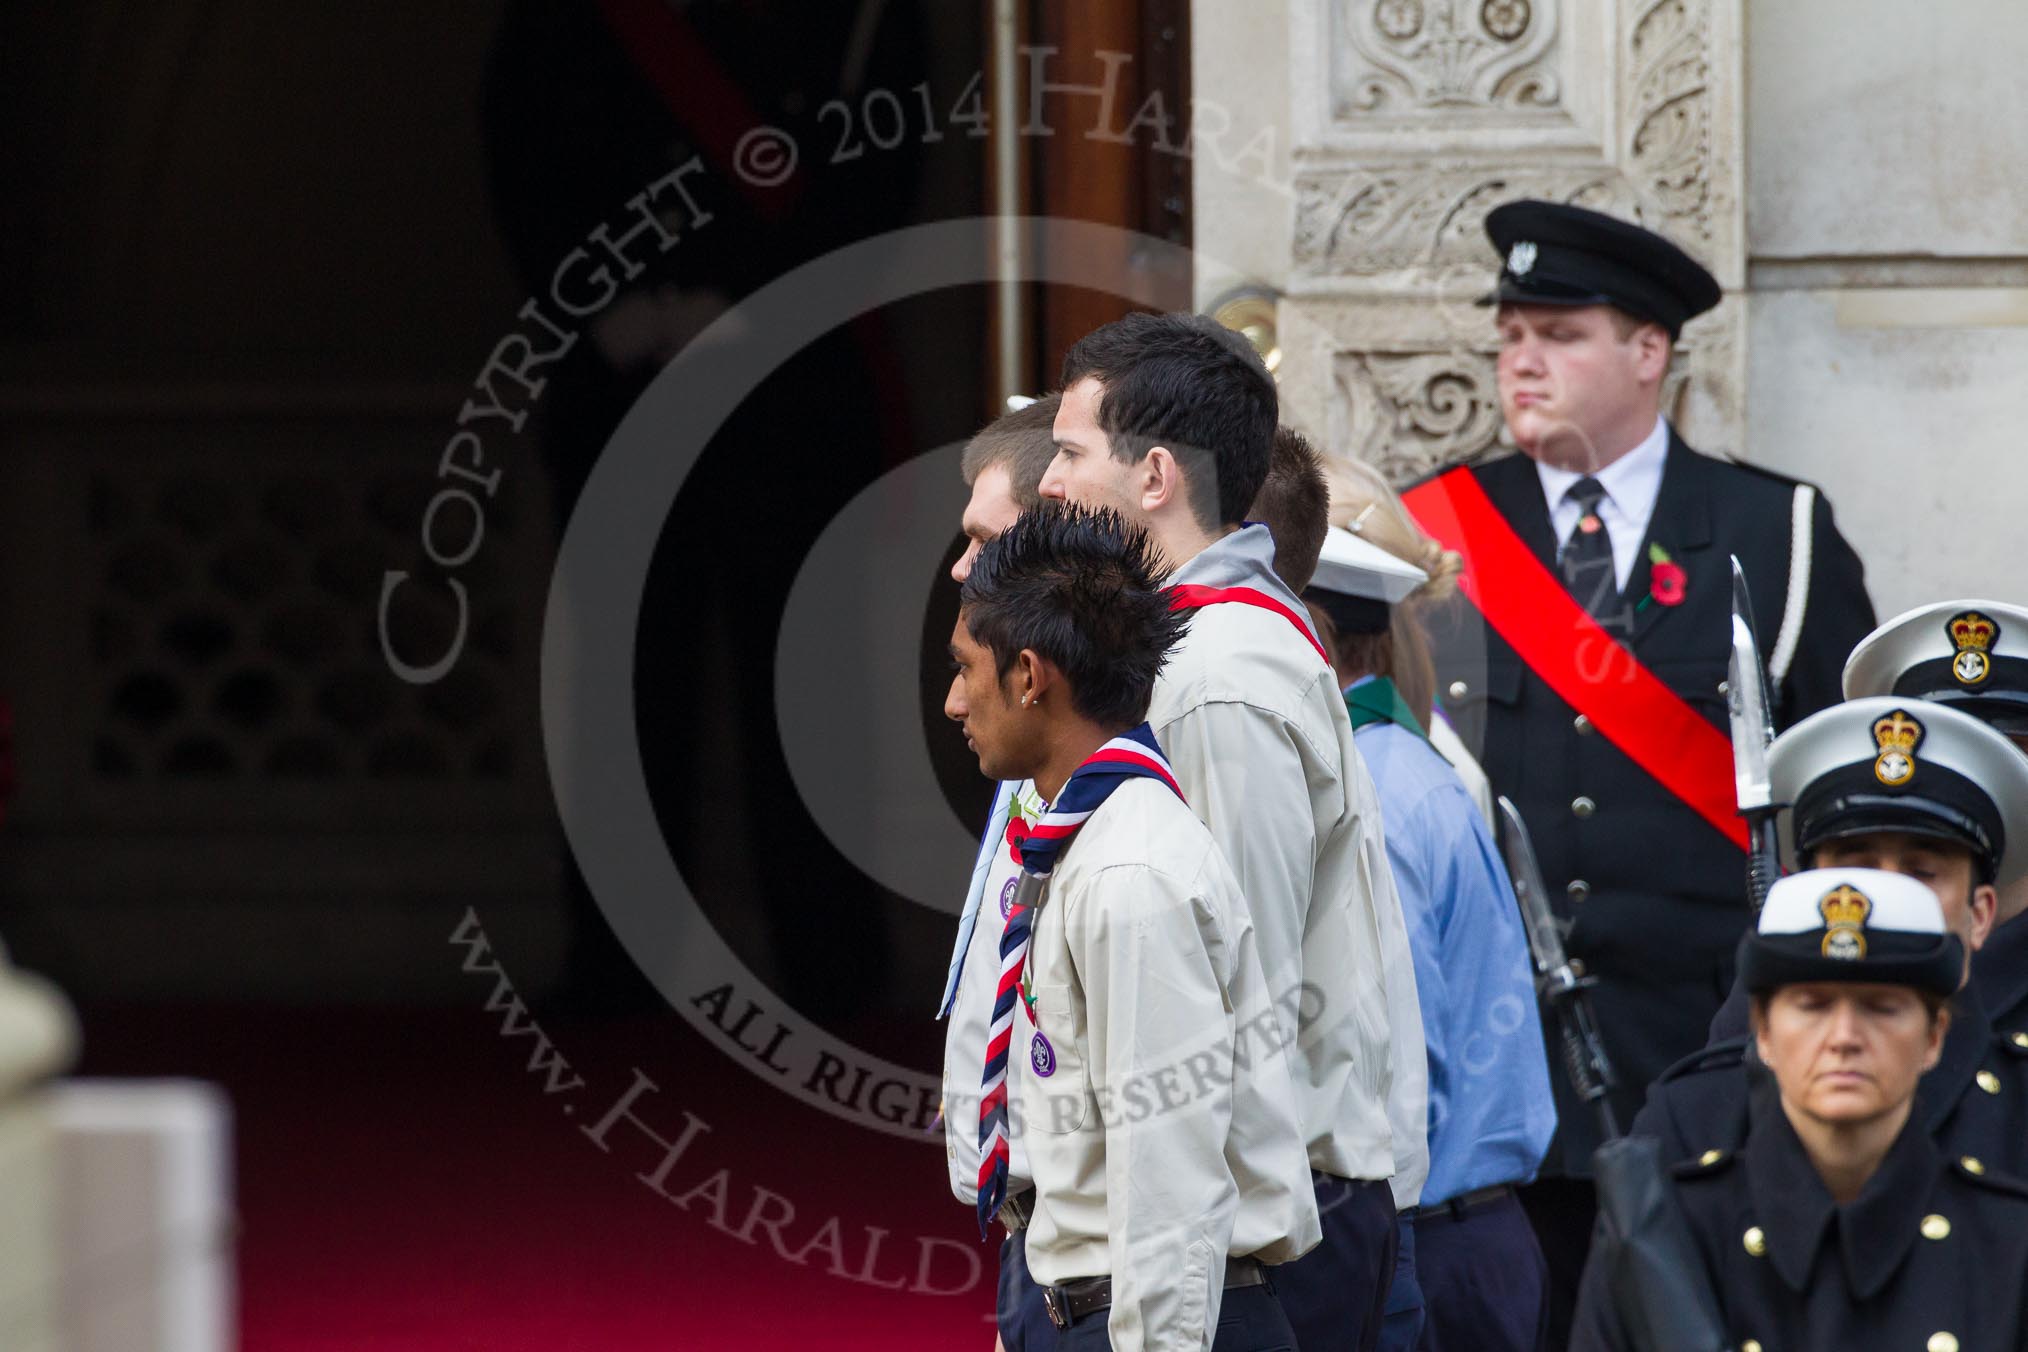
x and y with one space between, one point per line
1578 890
1459 690
1710 1157
1935 1227
1972 1165
1988 1081
1582 807
1755 1240
1943 1342
1750 1345
2019 1039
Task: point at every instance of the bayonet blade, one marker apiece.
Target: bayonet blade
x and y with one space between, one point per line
1746 702
1545 937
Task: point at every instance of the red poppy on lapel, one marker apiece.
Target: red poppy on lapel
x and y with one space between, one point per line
1666 579
1017 831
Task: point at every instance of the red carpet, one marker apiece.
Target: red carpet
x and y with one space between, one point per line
404 1183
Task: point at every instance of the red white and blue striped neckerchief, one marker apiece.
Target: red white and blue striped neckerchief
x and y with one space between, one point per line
1240 568
1134 754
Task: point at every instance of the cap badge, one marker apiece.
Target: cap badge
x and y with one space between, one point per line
1897 736
1521 258
1844 909
1973 635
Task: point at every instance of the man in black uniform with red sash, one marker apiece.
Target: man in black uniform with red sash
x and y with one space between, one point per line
1588 670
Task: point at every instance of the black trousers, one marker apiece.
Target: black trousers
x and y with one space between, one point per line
1336 1294
1250 1319
1483 1279
1562 1211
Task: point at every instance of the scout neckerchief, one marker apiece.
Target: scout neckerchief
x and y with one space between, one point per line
1131 755
1588 668
1377 701
1240 569
1014 806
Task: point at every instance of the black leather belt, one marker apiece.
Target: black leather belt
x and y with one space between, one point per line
1457 1206
1069 1302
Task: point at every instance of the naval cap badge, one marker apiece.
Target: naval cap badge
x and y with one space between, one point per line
1521 257
1973 635
1844 909
1897 736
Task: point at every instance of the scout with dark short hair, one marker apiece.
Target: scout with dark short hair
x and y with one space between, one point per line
1189 384
1170 420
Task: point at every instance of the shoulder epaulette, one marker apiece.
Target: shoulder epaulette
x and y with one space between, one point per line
1727 1055
1785 480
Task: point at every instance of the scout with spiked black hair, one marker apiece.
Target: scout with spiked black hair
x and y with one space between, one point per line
1081 589
1126 951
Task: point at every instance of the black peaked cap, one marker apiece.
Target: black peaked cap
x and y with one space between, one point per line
1553 254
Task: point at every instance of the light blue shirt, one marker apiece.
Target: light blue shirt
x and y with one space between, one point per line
1491 1113
968 920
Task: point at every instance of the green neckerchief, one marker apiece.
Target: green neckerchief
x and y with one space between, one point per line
1377 701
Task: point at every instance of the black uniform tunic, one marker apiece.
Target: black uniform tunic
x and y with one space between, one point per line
1932 1255
1655 894
1974 1101
2000 971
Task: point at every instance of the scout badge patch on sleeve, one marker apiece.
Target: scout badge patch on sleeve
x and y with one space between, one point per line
1844 909
1973 635
1042 1056
1897 736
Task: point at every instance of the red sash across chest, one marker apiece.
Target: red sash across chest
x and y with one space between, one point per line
1588 668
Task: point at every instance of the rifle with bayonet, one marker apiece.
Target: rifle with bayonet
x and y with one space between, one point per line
1652 1265
1561 983
1751 713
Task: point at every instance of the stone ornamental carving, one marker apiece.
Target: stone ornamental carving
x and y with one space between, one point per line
1410 413
1670 150
1409 58
1432 113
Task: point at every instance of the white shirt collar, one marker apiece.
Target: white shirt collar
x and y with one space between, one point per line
1632 483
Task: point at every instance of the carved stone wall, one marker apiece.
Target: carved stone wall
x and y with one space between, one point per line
1411 119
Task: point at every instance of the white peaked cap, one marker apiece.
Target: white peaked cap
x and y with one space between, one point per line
1884 656
1896 901
1351 566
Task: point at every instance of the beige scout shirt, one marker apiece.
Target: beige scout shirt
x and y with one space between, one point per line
1150 1081
972 1014
1255 728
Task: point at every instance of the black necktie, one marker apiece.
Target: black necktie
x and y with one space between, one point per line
1586 558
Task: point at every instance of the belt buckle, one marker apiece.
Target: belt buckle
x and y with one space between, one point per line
1057 1302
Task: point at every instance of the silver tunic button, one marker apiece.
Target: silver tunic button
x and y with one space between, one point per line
1582 724
1582 807
1578 890
1459 690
